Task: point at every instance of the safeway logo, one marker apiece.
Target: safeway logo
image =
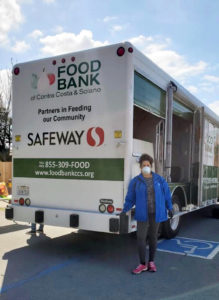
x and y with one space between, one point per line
95 136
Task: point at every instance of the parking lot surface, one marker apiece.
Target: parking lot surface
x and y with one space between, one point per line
68 264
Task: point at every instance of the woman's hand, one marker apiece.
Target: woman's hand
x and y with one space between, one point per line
170 214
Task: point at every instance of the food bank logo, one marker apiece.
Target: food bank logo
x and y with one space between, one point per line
95 136
42 81
82 75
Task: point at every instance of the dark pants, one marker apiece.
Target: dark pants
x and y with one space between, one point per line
149 228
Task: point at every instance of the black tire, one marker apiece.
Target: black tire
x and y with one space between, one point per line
215 212
160 231
172 227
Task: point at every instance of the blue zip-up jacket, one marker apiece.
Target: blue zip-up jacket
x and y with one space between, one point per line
137 195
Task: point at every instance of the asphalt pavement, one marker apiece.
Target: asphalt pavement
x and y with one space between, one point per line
68 264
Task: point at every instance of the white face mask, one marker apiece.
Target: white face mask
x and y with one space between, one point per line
146 170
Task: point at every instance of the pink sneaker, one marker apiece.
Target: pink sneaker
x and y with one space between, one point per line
151 267
139 269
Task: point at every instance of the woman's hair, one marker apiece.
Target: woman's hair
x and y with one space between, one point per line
146 157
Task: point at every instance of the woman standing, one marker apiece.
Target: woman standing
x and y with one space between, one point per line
150 194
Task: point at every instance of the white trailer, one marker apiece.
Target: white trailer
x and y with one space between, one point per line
80 122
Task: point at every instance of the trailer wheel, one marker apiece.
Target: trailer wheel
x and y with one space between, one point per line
215 212
160 231
172 227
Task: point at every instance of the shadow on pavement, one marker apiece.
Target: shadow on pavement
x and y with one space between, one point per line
12 227
85 265
44 255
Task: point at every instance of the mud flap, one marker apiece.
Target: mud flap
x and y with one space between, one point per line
74 220
9 213
39 216
114 225
124 224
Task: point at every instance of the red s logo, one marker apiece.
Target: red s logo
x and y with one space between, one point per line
95 136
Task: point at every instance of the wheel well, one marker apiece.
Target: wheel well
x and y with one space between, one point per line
180 193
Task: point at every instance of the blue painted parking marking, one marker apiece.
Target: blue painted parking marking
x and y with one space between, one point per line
190 247
43 273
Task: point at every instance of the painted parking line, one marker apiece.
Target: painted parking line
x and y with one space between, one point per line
191 247
42 273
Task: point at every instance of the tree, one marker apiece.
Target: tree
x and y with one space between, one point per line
5 114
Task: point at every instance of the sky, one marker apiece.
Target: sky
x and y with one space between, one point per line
180 36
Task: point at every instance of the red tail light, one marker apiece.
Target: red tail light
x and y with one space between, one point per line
21 201
110 209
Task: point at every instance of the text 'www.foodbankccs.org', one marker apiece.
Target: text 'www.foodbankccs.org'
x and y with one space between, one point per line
62 173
